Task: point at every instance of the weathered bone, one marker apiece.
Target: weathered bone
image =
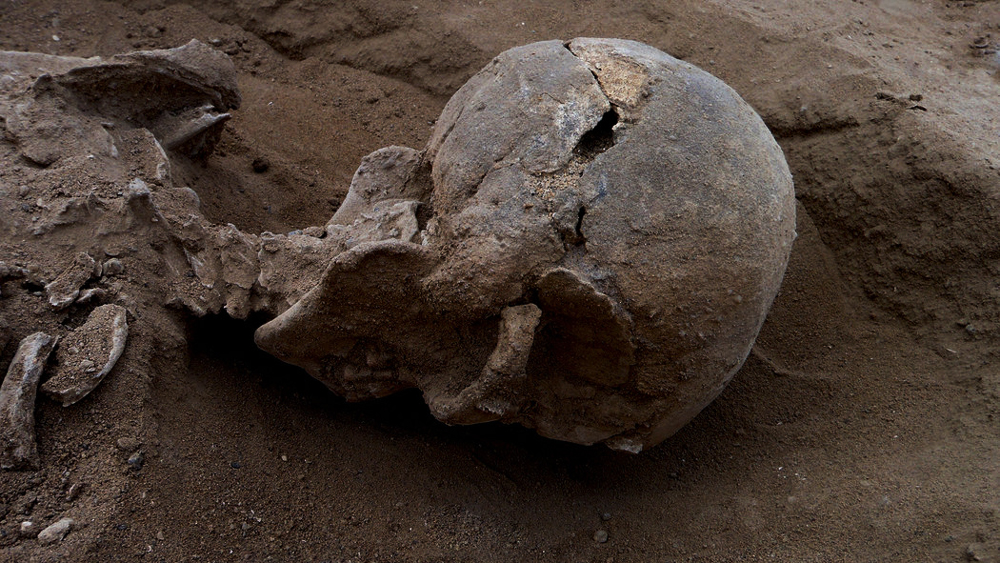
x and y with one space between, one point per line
17 402
499 389
587 246
88 354
64 290
609 227
181 95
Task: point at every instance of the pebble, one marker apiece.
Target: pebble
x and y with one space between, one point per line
135 460
55 532
978 552
112 267
601 536
27 528
605 516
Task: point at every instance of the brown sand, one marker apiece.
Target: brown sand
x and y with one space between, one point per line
862 428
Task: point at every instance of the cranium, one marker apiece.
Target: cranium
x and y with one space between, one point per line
588 246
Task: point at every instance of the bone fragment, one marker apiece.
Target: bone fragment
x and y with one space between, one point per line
497 390
193 132
55 532
17 402
63 290
88 354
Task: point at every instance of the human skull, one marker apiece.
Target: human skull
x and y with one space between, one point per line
588 246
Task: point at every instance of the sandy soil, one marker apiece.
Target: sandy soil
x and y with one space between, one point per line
862 428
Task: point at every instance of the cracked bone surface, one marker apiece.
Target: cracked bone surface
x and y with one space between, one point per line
588 246
17 402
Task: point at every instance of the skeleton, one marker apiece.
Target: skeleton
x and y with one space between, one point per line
587 246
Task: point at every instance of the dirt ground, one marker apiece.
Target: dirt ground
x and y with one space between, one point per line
863 427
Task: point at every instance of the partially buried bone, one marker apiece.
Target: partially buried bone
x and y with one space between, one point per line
587 246
17 402
65 289
182 95
88 354
600 231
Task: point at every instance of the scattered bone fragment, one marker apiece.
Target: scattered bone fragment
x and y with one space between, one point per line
87 354
193 132
92 294
17 402
181 95
55 532
64 290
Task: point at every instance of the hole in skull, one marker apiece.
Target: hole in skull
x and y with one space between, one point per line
424 213
600 138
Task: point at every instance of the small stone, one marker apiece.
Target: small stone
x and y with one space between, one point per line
55 532
135 460
73 492
979 552
160 536
27 528
601 536
235 465
605 516
112 267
